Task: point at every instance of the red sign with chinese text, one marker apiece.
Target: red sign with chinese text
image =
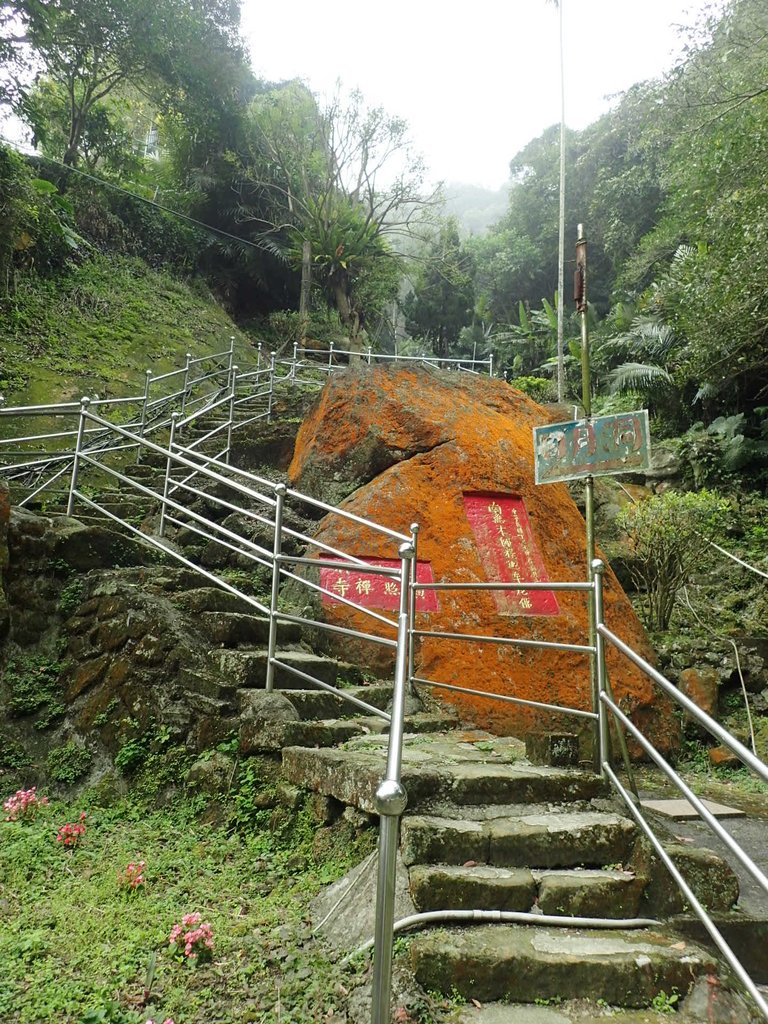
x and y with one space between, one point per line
374 591
509 553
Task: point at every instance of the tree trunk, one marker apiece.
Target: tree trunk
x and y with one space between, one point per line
349 317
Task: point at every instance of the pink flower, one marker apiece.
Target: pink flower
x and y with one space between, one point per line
193 942
133 875
70 834
24 804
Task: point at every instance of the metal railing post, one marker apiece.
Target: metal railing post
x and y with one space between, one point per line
604 739
143 423
84 403
185 386
271 395
167 480
232 392
277 547
330 357
369 355
231 361
412 603
258 356
391 800
490 365
294 361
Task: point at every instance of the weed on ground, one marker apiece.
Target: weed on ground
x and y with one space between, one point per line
86 921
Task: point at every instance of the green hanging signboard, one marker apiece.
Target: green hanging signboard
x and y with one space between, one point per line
597 446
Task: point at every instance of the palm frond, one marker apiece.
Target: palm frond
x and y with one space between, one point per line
638 377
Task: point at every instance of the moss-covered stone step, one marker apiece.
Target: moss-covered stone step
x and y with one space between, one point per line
562 838
582 893
610 892
444 767
481 887
211 599
318 704
248 669
529 964
230 629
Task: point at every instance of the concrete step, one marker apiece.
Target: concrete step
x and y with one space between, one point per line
560 838
442 767
580 892
533 964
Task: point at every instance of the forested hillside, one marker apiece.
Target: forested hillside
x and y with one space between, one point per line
233 181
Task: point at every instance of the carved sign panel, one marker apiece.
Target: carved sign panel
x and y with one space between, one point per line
374 591
509 552
595 447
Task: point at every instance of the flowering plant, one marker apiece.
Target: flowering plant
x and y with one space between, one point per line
132 877
193 938
71 833
166 1021
24 804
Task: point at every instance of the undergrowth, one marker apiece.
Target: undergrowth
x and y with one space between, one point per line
79 944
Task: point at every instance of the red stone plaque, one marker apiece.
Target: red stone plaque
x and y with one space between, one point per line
509 553
374 591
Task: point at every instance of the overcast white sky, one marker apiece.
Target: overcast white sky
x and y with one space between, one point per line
477 80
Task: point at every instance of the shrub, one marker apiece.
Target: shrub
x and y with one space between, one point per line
538 388
68 763
668 536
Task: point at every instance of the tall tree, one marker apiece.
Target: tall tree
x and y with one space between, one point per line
443 298
344 179
92 48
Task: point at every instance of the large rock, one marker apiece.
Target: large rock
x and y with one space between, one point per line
408 446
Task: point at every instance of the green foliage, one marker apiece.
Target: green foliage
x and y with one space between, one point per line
540 389
664 1003
68 763
131 756
443 298
71 596
712 456
668 538
252 888
33 686
34 230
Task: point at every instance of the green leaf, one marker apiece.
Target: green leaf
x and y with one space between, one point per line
43 186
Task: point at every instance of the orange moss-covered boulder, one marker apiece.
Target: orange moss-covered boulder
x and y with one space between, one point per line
454 453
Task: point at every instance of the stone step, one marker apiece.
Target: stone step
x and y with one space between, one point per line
206 695
319 704
212 599
271 737
533 964
439 767
581 893
231 629
555 839
248 669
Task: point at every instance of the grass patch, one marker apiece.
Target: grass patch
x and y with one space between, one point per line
77 944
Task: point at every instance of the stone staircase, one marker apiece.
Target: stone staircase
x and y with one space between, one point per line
487 830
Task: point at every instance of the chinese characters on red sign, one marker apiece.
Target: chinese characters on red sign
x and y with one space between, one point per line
509 553
374 591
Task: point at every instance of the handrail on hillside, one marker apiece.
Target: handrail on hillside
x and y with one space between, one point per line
194 481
